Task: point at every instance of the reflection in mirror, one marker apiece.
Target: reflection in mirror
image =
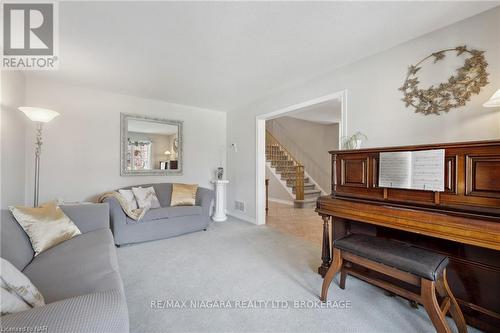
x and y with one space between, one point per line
150 145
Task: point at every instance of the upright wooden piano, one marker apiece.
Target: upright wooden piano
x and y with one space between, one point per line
462 222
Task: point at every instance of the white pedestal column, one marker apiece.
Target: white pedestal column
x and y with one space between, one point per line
220 200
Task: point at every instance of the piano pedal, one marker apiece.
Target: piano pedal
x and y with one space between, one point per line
413 304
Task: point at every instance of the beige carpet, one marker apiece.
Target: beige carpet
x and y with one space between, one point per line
240 265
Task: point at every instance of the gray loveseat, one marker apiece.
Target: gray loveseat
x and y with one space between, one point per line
163 222
78 278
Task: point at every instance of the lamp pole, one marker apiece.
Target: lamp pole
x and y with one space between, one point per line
38 151
38 116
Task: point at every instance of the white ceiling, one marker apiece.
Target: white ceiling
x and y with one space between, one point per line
324 113
223 55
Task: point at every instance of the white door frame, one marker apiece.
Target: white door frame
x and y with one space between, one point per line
261 143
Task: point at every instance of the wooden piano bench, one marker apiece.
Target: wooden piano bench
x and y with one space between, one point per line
415 266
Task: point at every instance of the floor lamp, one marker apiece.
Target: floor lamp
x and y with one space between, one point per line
39 116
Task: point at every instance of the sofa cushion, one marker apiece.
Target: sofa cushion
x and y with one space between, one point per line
171 212
88 217
164 193
15 244
79 266
179 211
155 214
101 312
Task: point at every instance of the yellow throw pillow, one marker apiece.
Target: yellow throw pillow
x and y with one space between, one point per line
183 195
46 226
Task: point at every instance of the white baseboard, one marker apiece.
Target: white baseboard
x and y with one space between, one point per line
241 216
285 202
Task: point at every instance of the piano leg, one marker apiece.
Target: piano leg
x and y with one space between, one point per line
325 252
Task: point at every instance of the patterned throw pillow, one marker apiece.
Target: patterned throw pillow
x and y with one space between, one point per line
10 302
146 197
18 293
183 194
128 195
46 225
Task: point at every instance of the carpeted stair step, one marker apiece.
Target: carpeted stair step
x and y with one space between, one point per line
306 203
310 193
285 165
293 176
286 172
291 182
307 186
278 159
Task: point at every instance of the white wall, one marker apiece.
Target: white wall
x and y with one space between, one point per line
374 104
13 135
81 150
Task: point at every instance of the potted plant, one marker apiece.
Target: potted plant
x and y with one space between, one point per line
354 141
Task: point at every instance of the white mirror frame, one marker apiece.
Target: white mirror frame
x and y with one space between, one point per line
124 118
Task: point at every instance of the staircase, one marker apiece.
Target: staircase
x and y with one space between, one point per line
292 173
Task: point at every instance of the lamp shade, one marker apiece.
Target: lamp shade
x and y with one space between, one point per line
38 114
494 101
167 152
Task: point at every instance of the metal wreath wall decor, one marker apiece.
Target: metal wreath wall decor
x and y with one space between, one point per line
468 80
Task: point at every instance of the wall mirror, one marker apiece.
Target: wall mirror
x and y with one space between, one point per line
150 146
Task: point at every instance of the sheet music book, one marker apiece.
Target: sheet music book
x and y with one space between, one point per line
417 170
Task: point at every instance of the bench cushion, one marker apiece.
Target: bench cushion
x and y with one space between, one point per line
420 262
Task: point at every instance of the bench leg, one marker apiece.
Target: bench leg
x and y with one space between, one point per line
445 291
343 276
431 305
332 271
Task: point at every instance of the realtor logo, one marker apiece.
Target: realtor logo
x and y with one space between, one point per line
29 35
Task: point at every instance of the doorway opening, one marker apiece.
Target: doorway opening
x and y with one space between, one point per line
293 164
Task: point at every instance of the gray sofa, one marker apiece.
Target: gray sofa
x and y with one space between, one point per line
163 222
78 278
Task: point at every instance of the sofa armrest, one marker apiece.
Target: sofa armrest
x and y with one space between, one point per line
97 312
88 217
204 198
116 214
